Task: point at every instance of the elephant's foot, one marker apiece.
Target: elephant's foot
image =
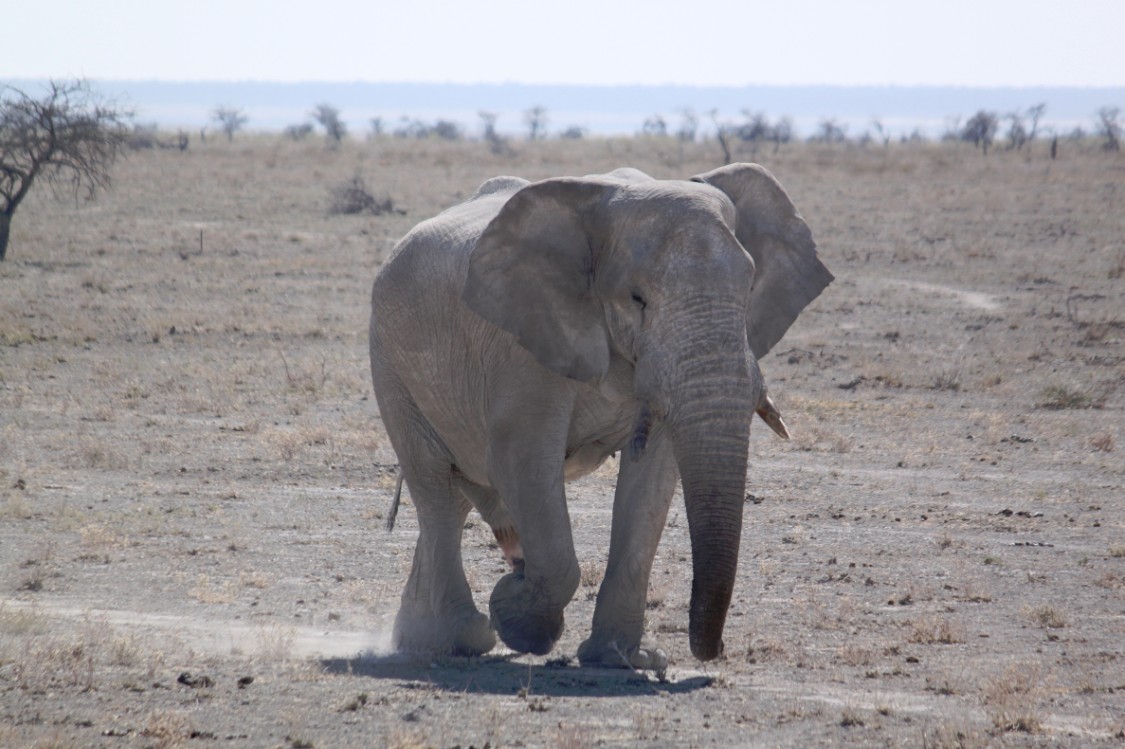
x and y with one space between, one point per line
613 655
466 635
522 617
475 638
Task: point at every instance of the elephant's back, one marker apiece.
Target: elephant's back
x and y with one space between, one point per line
433 256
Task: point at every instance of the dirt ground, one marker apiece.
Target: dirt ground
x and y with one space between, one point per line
194 477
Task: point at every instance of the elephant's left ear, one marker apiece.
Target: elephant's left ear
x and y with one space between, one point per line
789 273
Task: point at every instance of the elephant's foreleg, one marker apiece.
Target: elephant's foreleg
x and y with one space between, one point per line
644 491
487 502
525 464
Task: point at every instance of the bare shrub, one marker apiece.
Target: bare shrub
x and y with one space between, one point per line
353 196
1062 397
143 136
299 132
948 379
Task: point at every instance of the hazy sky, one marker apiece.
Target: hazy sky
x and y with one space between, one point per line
698 42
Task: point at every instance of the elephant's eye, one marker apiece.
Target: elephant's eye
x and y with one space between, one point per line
639 300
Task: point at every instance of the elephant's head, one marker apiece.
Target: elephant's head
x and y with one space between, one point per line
691 282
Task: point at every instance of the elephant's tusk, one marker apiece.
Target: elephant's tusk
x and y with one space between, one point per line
769 413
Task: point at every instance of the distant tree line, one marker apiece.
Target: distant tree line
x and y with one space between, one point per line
986 129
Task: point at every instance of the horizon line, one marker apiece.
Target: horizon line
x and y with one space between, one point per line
525 84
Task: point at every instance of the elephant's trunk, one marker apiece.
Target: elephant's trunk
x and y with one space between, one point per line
711 440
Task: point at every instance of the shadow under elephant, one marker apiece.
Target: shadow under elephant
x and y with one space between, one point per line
500 674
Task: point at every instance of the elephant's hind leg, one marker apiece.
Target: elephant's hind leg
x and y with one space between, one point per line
437 612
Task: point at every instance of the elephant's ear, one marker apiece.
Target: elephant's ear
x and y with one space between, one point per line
789 273
531 273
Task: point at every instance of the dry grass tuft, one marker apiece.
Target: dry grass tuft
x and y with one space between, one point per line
1047 617
946 736
591 572
573 737
1104 442
275 641
1117 267
851 717
1063 397
166 729
935 630
403 739
1012 698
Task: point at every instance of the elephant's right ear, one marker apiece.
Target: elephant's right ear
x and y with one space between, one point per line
531 273
789 273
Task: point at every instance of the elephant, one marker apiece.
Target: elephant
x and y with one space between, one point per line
522 337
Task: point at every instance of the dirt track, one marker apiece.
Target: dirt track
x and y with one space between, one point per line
193 475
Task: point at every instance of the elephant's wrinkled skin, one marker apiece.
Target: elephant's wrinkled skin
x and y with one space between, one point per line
522 337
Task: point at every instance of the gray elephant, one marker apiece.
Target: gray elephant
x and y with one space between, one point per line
521 338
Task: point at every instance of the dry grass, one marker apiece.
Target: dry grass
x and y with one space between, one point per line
1060 397
1104 442
274 642
1047 616
935 630
1012 698
591 571
166 729
196 436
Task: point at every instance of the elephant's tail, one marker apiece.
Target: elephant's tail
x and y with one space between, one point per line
390 525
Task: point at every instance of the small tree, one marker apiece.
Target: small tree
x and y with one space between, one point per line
536 121
884 136
782 132
980 130
830 131
230 119
71 137
329 118
757 127
1035 114
723 135
496 142
447 130
654 126
1017 131
689 125
1109 128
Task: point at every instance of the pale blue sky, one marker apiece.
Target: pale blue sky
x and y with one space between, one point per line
695 42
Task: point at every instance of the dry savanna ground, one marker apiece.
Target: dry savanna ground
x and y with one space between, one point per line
194 477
